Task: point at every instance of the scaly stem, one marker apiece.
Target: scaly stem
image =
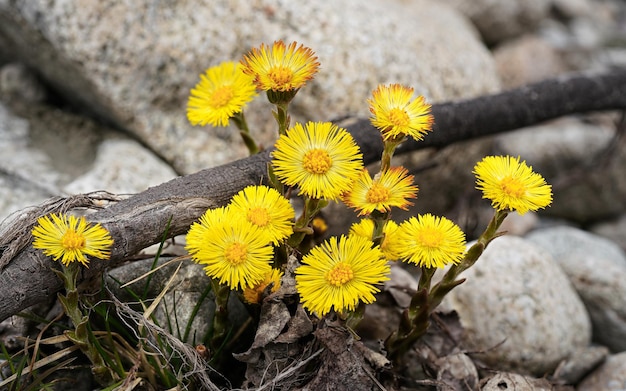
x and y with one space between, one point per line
240 121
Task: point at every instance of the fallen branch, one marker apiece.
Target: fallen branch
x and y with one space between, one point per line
140 220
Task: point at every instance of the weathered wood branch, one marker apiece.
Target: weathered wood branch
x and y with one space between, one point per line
140 220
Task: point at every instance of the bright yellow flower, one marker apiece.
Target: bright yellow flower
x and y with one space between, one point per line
391 188
71 238
511 184
321 159
365 228
267 209
339 273
233 250
397 116
430 241
280 67
223 91
254 294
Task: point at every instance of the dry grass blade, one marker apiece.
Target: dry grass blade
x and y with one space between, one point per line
40 363
141 277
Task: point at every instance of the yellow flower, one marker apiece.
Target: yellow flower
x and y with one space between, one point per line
280 67
254 294
391 188
222 92
339 273
233 250
430 241
267 209
321 158
511 184
397 116
365 228
71 238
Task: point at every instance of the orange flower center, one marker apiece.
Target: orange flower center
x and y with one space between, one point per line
221 97
236 253
317 161
258 216
280 75
340 274
429 237
377 193
398 117
72 240
512 187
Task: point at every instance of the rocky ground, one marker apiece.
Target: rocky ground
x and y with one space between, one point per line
92 97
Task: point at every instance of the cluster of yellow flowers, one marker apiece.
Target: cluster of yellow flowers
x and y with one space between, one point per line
237 243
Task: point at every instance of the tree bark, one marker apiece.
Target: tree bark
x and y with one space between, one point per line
141 220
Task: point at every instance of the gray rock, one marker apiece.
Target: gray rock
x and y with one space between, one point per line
597 269
133 65
525 60
614 230
122 166
610 376
499 20
519 310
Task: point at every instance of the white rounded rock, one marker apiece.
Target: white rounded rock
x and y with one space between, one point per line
518 308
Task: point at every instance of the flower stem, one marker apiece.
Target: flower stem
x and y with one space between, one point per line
240 121
282 117
81 336
415 319
220 318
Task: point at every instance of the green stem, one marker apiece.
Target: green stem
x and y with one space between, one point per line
312 207
282 117
240 121
81 336
388 150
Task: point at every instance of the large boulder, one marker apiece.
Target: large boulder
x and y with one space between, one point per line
133 64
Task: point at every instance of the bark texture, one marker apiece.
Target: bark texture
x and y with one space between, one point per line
140 220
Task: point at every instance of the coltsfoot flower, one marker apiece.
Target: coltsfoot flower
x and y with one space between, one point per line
71 239
280 67
254 294
511 184
392 187
340 273
430 241
222 92
365 228
267 209
396 115
320 158
234 251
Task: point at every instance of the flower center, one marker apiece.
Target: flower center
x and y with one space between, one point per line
317 161
512 187
72 240
377 193
258 216
236 253
280 75
221 97
398 117
340 274
430 238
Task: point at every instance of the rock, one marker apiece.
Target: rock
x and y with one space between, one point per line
499 20
578 159
519 310
525 60
134 65
513 381
610 376
597 269
614 230
122 166
580 363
